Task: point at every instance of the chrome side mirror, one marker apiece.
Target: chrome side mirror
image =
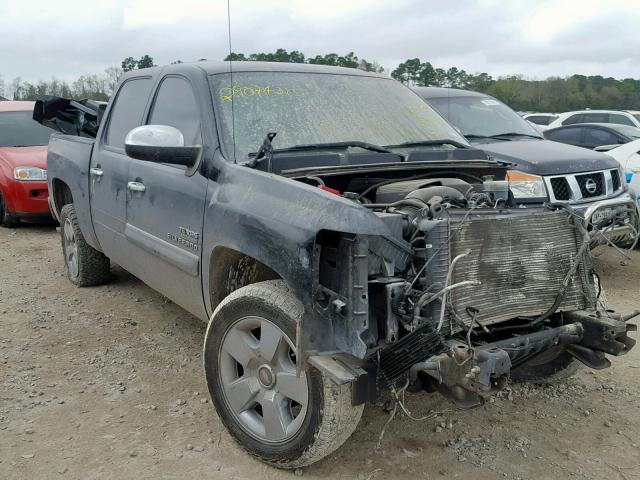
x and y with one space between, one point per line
160 144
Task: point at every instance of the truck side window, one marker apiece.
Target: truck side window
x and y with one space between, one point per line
127 110
175 105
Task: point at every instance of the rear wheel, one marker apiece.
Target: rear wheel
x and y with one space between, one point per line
284 419
85 266
5 218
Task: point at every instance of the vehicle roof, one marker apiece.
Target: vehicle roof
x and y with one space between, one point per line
16 106
212 68
443 92
596 111
541 114
626 130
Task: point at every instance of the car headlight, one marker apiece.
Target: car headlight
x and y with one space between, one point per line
29 173
525 185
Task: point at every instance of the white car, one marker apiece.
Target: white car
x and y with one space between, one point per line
623 117
628 155
541 120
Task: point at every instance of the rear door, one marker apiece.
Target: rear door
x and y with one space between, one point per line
109 169
165 204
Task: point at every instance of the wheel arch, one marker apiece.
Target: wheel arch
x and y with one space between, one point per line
230 269
60 195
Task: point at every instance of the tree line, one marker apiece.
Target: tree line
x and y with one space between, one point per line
350 60
554 94
93 86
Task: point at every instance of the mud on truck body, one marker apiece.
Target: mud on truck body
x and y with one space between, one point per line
339 237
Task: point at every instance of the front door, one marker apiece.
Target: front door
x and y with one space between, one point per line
165 206
109 169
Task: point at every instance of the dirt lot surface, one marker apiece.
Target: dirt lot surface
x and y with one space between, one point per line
107 382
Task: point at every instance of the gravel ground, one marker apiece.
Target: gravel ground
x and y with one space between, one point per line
107 382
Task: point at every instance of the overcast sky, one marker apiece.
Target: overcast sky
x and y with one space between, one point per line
66 38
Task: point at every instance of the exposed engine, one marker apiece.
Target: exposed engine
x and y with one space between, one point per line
464 268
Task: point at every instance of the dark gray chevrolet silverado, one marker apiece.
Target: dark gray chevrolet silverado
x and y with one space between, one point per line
339 237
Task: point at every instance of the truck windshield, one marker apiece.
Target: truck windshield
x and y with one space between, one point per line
481 116
19 129
314 108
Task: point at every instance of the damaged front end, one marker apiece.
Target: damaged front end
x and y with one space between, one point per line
466 288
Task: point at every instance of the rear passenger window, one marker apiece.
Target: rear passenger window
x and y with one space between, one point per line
620 119
175 105
597 137
127 110
541 119
595 118
566 135
573 119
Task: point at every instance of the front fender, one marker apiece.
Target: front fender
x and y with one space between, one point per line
275 220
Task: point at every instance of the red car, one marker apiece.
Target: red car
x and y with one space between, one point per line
23 164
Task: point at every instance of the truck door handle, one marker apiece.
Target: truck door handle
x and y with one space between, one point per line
96 172
136 186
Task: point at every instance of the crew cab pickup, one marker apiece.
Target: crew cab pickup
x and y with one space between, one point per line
339 237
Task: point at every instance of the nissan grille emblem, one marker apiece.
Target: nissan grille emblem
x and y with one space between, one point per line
591 186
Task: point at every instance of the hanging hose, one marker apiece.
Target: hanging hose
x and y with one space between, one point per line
428 297
446 284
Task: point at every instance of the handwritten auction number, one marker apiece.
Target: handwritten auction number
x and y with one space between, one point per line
227 93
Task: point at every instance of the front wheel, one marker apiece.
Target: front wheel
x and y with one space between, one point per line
284 419
5 218
553 366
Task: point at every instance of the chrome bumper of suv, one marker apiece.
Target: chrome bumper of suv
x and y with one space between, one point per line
625 227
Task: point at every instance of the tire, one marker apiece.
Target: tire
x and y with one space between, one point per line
551 367
85 266
5 217
302 431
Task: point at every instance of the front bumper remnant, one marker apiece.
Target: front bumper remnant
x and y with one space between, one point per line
469 376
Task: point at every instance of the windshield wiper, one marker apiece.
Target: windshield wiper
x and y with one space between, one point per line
513 134
340 145
423 143
473 135
265 152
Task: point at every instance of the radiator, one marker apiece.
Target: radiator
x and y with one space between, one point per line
521 261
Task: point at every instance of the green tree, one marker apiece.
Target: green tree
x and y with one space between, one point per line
145 62
129 64
235 57
408 71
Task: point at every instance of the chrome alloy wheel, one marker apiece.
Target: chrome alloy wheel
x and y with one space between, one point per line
70 248
259 383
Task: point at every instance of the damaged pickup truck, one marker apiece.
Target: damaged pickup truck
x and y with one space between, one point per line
341 239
